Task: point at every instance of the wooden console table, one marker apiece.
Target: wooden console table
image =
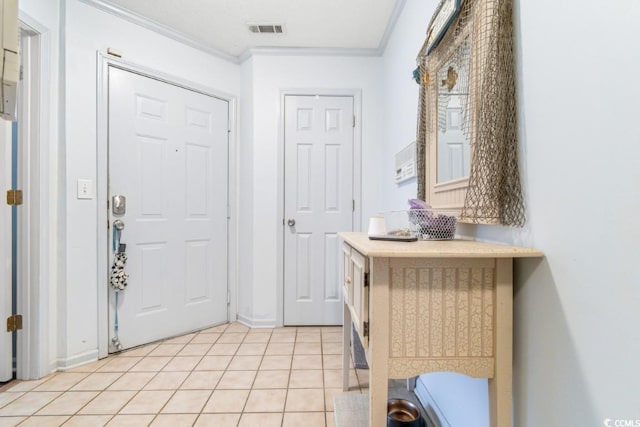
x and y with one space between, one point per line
431 306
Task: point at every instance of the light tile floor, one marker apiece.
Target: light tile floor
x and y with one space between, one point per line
228 375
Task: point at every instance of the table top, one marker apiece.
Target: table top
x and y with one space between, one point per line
435 248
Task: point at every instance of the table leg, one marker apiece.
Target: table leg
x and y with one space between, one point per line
500 386
346 351
378 395
379 342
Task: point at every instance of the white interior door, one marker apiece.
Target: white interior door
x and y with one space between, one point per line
318 204
453 145
5 253
168 152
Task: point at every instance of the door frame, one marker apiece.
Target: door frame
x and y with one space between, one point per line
36 223
104 62
356 94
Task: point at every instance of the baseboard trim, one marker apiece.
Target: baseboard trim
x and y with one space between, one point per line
77 360
258 324
52 367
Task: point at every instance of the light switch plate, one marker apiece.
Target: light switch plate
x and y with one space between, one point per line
85 189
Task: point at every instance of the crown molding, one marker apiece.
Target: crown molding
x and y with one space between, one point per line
166 31
391 25
159 28
306 51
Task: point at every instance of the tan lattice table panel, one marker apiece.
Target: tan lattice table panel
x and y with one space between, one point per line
441 315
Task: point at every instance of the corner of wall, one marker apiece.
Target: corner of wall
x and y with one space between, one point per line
245 197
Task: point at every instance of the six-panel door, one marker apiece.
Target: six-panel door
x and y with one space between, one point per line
168 156
318 193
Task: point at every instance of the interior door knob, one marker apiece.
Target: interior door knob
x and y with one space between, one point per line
291 222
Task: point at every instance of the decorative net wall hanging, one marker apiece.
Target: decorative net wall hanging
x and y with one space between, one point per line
476 52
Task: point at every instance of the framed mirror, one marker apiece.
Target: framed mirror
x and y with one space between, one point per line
468 130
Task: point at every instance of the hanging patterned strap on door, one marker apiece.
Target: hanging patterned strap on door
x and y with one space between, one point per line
118 278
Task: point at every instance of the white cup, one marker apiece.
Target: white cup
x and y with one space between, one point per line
377 226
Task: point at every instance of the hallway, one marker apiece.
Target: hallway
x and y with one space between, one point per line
228 375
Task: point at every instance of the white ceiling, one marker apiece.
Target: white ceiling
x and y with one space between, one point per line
220 26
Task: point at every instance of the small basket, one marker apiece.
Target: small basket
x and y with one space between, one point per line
425 224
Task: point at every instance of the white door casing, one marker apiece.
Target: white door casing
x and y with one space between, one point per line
318 197
168 154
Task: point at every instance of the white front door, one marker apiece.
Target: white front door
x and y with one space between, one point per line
168 151
318 198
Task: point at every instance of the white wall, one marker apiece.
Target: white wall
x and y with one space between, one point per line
89 30
401 96
259 197
576 312
576 316
245 189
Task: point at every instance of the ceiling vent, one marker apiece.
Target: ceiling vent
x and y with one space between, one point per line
266 28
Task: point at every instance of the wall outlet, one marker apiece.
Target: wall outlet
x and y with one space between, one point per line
85 189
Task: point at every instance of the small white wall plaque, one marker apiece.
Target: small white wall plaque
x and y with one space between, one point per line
405 162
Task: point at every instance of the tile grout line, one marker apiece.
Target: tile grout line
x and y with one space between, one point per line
175 390
189 372
254 378
286 393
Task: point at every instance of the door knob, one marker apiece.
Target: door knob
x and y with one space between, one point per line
291 222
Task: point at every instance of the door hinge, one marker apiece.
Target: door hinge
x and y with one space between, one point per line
14 323
365 329
228 297
21 73
353 205
14 197
366 280
354 120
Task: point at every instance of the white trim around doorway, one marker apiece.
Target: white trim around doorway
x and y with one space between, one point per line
357 177
104 62
36 234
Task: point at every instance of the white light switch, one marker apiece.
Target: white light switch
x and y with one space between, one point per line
85 189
